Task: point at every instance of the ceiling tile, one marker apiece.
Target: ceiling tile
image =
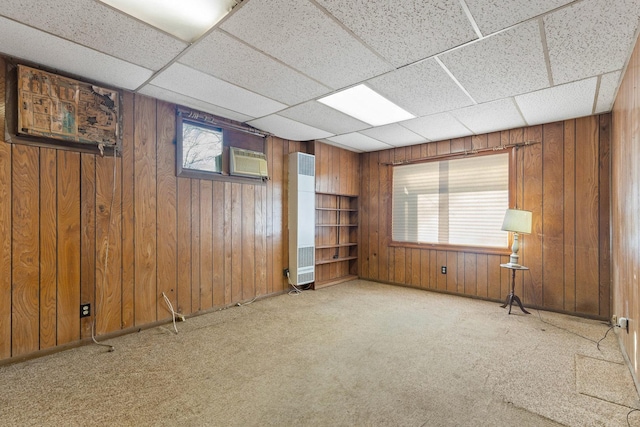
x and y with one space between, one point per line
320 116
490 117
437 127
564 102
591 37
394 134
359 142
99 27
502 65
177 98
495 15
424 88
195 84
404 31
29 44
607 92
288 129
305 38
221 55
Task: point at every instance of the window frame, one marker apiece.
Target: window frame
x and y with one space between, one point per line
232 136
448 246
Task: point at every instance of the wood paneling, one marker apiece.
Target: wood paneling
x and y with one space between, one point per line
118 233
625 196
565 188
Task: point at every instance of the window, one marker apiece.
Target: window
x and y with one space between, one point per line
208 147
201 147
456 202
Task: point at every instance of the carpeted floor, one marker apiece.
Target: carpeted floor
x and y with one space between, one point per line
356 354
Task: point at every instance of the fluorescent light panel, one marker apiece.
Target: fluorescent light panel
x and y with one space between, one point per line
185 19
367 105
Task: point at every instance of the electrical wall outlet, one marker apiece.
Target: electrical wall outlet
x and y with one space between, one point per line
85 310
285 272
443 269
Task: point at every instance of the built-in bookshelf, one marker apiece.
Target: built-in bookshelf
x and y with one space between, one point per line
336 239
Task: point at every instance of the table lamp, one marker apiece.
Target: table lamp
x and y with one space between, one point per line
516 221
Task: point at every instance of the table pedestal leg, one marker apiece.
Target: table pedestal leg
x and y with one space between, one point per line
512 296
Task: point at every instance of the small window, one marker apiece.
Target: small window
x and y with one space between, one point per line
452 202
201 147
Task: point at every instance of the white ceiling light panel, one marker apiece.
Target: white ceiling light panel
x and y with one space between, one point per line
366 105
195 84
33 45
558 103
288 129
186 19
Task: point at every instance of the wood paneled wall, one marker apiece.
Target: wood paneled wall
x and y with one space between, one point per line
563 180
337 170
625 207
117 233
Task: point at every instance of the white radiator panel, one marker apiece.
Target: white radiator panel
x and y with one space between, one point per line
302 220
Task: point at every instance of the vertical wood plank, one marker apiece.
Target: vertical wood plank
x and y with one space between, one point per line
195 245
5 229
604 203
470 274
452 271
433 269
552 217
365 213
184 245
569 219
236 242
206 245
494 290
145 207
88 240
278 213
461 272
425 268
108 305
384 219
269 218
25 250
260 240
441 257
128 221
532 200
587 223
248 214
373 200
68 246
218 244
228 253
48 248
167 240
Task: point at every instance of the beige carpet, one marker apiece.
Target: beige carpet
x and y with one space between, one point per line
360 353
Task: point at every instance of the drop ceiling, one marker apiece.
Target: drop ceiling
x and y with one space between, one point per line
462 67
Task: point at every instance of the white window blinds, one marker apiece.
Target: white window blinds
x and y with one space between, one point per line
459 202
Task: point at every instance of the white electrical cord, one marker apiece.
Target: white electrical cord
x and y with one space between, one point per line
93 337
295 290
174 314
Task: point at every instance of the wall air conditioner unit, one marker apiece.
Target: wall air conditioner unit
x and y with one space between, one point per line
302 218
247 163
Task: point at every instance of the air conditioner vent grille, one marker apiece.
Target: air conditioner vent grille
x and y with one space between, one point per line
306 165
304 278
305 257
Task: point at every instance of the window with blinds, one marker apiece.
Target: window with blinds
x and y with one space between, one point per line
456 202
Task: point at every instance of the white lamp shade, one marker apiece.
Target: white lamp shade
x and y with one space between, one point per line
517 221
